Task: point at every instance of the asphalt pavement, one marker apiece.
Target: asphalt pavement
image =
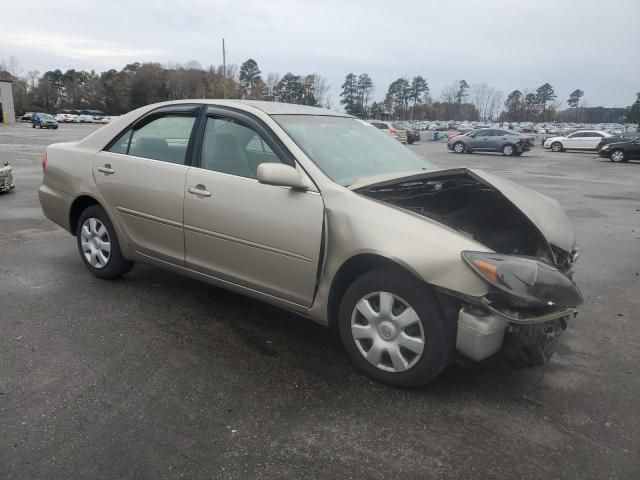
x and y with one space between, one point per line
160 376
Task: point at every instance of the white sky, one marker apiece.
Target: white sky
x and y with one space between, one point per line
588 44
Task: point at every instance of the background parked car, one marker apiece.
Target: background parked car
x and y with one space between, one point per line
622 151
44 120
581 140
413 135
26 118
398 134
490 140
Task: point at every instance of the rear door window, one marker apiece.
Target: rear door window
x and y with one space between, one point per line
164 138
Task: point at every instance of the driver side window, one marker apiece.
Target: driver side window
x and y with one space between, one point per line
230 147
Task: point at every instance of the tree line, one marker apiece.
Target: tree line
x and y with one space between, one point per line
137 84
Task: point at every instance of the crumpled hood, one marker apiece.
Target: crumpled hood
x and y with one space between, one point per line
545 213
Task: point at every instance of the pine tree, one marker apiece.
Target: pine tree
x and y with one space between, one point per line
249 78
365 88
419 87
544 95
513 105
289 89
633 115
349 94
574 100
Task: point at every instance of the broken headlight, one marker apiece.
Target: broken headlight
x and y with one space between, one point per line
527 281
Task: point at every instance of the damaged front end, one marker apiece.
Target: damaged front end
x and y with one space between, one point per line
531 295
6 178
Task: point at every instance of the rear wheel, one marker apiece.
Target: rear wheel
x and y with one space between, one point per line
556 147
618 156
98 244
392 328
458 147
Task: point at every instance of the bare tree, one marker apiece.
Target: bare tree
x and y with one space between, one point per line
320 88
272 80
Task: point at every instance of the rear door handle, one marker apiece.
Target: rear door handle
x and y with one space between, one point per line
106 169
199 190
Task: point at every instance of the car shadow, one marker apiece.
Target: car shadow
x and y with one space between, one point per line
272 337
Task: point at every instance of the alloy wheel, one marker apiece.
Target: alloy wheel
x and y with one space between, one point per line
507 150
617 156
556 147
458 148
387 331
95 242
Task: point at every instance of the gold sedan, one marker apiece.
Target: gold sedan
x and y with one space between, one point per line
325 215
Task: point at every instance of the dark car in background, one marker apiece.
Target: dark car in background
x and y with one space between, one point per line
43 120
413 135
621 151
26 118
490 140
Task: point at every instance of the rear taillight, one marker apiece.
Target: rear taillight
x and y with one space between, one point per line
44 161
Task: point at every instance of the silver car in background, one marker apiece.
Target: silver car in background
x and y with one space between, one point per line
325 215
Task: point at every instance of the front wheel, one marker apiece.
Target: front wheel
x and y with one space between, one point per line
392 328
98 244
458 147
508 150
556 147
618 156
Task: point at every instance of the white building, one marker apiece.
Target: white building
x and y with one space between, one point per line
7 112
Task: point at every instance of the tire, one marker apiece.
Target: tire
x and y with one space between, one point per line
618 156
33 125
459 147
424 333
410 142
508 150
557 147
93 232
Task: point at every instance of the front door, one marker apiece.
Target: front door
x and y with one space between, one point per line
263 237
141 177
481 140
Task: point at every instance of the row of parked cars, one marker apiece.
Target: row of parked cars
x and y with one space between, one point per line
525 127
29 117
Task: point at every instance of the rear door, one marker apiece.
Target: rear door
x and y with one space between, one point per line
591 140
141 176
263 237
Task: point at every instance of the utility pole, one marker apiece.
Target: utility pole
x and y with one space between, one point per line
224 71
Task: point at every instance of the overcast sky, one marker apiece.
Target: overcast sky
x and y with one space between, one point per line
588 44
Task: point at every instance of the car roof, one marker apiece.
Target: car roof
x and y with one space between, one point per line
270 108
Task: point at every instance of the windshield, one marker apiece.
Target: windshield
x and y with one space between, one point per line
347 149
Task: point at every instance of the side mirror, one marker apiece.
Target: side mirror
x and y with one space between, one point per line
281 175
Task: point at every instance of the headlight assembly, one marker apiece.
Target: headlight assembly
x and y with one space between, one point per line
527 281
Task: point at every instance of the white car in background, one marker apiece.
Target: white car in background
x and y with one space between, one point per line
581 140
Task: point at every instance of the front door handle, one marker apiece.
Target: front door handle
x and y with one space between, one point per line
106 169
199 190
